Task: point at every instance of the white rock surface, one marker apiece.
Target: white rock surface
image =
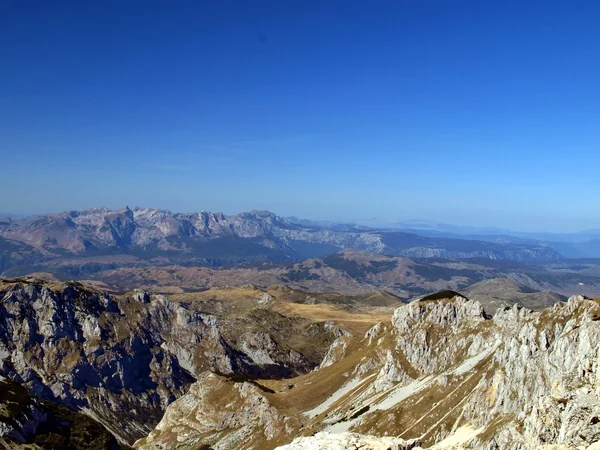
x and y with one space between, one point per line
346 441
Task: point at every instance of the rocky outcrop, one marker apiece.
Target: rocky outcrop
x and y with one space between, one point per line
263 350
198 417
336 352
354 441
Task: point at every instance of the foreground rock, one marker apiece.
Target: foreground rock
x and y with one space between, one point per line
443 372
123 359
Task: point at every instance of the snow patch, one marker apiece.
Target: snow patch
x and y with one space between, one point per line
395 396
340 427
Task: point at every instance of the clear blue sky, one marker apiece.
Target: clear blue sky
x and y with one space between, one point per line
468 112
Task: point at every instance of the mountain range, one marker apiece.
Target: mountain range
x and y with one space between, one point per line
100 238
582 244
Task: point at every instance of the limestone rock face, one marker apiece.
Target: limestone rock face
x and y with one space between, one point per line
533 375
127 358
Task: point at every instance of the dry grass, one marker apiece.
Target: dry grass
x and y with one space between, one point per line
355 319
356 323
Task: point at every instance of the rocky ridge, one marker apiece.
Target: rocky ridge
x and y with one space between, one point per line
443 372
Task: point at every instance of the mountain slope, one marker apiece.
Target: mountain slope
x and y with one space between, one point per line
442 371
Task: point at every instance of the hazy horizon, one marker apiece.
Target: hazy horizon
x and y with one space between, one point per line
471 113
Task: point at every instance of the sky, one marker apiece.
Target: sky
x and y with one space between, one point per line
483 113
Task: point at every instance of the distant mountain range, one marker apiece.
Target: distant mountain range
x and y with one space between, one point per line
102 238
425 225
582 244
